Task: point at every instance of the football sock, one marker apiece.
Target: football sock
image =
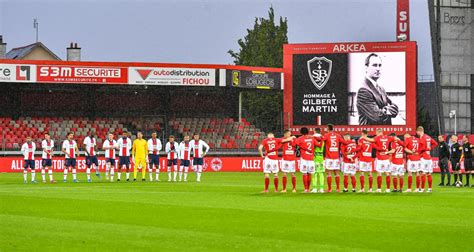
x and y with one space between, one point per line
169 173
309 178
401 183
315 180
362 181
354 182
198 176
127 175
430 181
50 173
65 174
293 181
267 183
455 177
387 181
174 175
321 180
112 171
275 183
346 181
143 172
43 174
180 175
442 177
449 177
338 181
157 172
418 181
395 183
74 174
88 172
460 177
371 182
33 173
25 172
329 179
423 181
379 181
467 179
150 173
410 181
135 170
185 173
305 181
283 182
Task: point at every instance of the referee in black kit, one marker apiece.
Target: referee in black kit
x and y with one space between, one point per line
444 154
456 151
467 153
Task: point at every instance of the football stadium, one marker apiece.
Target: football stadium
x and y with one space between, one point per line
300 143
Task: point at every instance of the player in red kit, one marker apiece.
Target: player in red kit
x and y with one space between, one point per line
349 154
397 161
288 163
364 150
427 144
412 148
332 141
307 143
270 159
382 162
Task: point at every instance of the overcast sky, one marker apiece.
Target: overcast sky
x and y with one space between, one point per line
200 31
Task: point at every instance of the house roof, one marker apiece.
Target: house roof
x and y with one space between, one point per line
21 52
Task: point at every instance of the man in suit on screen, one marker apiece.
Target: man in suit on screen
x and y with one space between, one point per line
373 104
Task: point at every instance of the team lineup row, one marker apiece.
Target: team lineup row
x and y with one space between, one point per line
320 154
144 154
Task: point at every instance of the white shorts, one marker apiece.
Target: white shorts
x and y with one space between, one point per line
288 166
348 168
382 166
398 169
365 166
413 166
307 166
270 165
332 164
427 166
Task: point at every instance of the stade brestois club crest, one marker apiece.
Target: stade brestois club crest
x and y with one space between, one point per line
319 70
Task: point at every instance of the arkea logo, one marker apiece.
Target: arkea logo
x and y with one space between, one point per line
216 164
23 73
144 73
319 70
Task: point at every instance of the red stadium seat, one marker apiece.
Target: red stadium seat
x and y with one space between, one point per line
471 139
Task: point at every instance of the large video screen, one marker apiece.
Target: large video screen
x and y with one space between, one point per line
354 86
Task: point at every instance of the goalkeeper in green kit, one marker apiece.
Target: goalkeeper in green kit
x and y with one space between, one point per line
318 181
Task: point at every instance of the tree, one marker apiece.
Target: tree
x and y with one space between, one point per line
263 46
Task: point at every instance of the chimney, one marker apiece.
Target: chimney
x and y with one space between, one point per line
73 52
3 48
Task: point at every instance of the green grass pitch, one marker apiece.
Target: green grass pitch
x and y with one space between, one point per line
226 211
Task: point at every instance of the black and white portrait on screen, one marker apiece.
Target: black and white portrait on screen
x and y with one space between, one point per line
377 88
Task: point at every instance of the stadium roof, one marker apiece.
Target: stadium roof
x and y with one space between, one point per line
21 52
